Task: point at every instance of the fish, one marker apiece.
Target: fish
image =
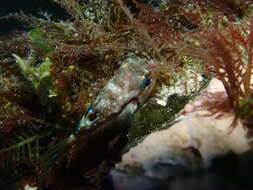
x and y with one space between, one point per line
122 95
110 114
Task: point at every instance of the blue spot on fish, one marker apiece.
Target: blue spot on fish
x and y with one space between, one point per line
55 155
90 110
146 82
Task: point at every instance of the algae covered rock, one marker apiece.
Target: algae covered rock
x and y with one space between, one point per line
152 116
188 146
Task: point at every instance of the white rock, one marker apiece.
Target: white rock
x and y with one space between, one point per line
209 135
28 187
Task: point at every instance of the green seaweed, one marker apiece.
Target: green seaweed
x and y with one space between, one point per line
43 46
37 34
39 76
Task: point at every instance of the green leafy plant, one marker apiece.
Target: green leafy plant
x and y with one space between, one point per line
39 76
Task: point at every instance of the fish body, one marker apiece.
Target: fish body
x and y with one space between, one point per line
109 117
122 95
107 121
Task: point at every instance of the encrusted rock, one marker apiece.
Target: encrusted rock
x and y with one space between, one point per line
192 143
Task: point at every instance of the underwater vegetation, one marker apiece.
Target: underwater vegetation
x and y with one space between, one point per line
53 72
227 53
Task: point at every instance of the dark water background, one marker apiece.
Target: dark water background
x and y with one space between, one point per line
29 7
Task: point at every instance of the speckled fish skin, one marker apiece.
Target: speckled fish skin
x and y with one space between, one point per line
123 89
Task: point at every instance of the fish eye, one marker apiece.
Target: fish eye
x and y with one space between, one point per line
146 81
92 114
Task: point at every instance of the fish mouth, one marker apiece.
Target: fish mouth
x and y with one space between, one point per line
124 114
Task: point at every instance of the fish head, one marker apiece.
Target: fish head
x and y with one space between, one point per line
122 95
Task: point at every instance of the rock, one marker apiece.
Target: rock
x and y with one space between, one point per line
188 146
208 181
207 134
245 168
